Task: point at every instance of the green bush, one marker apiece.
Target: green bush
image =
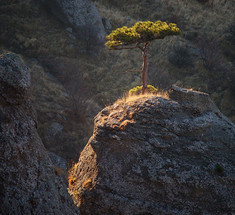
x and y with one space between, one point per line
141 32
180 57
219 169
138 90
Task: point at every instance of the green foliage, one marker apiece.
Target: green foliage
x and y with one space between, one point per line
138 89
219 169
141 32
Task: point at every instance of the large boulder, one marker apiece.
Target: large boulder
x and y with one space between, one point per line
171 154
29 182
81 15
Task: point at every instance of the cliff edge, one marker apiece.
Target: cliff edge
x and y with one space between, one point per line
29 183
157 155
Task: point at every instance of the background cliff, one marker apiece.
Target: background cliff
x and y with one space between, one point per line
74 76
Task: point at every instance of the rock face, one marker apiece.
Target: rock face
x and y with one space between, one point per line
81 15
158 155
29 183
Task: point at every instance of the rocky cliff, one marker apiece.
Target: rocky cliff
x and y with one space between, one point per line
158 155
29 182
81 15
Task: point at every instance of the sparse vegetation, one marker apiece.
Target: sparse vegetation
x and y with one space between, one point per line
219 169
210 53
180 57
138 89
27 28
139 36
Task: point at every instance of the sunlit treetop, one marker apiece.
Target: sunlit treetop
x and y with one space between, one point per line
141 32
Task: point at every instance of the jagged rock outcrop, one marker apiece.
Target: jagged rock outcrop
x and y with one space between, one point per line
81 15
29 182
158 155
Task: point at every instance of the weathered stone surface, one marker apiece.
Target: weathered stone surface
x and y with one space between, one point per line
14 79
29 183
107 24
158 155
81 15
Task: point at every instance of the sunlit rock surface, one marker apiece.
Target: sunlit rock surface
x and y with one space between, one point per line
158 155
29 182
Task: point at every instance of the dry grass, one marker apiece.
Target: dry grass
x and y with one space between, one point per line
87 184
117 18
71 175
131 98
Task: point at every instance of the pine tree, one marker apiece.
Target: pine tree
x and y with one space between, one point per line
140 36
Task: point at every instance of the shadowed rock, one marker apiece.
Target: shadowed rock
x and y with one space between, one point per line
81 15
157 155
28 180
14 79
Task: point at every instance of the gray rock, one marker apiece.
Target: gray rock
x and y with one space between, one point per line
54 129
70 30
81 15
29 183
158 155
107 24
14 79
58 161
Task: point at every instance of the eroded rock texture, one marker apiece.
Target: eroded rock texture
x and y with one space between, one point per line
81 15
28 180
158 155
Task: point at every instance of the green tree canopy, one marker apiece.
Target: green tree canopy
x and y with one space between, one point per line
139 36
141 32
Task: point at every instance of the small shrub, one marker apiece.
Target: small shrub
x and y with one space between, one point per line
138 89
210 53
87 184
180 57
219 169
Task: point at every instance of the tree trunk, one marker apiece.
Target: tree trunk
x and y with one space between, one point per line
144 68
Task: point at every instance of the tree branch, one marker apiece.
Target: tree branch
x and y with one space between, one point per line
140 48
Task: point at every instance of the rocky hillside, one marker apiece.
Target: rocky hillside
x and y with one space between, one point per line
74 76
169 154
29 182
203 58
